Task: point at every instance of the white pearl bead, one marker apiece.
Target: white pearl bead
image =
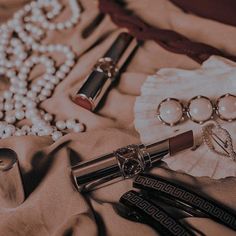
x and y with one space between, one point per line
41 82
78 128
19 133
55 80
6 135
30 104
49 86
7 94
48 117
18 105
70 123
10 129
65 69
22 84
60 75
60 125
36 88
8 106
46 92
56 135
18 97
20 114
35 129
70 63
48 130
32 113
10 119
32 94
26 129
41 97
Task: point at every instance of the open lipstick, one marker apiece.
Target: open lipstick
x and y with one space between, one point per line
105 72
126 162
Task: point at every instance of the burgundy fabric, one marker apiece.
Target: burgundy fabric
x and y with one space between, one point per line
168 39
220 10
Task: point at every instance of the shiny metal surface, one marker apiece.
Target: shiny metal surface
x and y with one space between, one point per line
105 72
125 162
11 186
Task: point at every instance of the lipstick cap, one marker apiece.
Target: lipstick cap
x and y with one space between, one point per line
11 187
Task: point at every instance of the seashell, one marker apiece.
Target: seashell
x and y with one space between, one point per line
214 78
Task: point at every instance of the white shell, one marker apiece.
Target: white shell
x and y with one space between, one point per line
214 78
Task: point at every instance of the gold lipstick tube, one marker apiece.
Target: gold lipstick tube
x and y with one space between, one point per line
126 162
105 72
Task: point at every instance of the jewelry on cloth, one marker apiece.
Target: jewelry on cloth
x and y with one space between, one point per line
199 109
20 37
218 140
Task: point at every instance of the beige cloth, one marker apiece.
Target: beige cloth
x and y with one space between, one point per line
52 205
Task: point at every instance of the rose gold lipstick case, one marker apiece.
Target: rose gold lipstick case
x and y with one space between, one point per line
105 72
126 162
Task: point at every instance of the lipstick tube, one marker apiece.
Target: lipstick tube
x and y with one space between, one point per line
126 162
105 71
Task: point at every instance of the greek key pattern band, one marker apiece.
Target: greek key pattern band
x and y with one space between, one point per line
154 214
211 208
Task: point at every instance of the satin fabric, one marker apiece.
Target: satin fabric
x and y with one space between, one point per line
52 205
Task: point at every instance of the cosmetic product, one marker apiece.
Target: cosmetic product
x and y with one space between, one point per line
105 72
157 187
126 162
11 187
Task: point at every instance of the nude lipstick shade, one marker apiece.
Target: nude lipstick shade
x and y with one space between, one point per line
105 72
126 162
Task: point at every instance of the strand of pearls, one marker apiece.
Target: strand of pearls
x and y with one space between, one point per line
19 37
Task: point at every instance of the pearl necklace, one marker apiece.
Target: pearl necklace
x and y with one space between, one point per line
19 37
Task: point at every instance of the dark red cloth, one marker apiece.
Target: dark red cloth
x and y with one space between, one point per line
168 39
220 10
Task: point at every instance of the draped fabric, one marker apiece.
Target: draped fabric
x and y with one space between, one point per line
169 39
220 10
52 205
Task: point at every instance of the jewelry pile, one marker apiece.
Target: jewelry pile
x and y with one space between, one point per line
20 52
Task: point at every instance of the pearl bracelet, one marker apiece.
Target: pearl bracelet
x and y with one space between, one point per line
199 109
